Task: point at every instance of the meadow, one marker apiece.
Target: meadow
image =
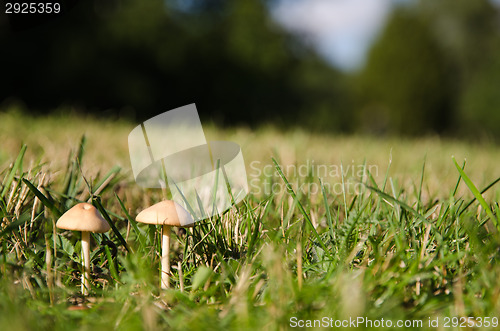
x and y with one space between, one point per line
388 232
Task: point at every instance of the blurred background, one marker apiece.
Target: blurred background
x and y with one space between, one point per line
382 67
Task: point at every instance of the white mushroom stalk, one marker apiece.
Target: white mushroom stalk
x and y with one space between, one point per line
166 213
165 257
86 262
85 218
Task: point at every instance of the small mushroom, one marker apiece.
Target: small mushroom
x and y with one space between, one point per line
85 218
166 213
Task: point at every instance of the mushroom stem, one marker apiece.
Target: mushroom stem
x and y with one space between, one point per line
86 262
165 257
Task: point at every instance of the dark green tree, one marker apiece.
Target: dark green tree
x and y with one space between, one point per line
405 86
470 34
480 103
229 57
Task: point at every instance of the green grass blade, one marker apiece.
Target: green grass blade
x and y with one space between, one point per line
132 222
301 208
111 263
401 203
458 181
188 205
419 199
201 276
216 186
81 148
17 166
113 172
23 218
45 201
482 192
97 203
476 193
327 209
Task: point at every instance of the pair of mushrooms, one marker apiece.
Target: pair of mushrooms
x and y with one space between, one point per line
86 218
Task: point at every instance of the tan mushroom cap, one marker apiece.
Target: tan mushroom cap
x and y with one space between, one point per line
83 217
166 213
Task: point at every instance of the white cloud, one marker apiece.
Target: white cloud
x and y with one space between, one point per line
341 29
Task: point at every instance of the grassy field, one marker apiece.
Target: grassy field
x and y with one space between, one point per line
336 229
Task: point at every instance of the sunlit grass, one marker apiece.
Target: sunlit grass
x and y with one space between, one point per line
51 138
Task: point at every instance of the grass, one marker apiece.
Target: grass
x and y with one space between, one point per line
410 237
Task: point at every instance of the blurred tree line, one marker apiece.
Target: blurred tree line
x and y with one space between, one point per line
144 57
435 67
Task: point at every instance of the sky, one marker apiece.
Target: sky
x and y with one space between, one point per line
341 30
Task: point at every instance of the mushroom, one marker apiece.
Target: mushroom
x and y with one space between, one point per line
166 213
85 218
